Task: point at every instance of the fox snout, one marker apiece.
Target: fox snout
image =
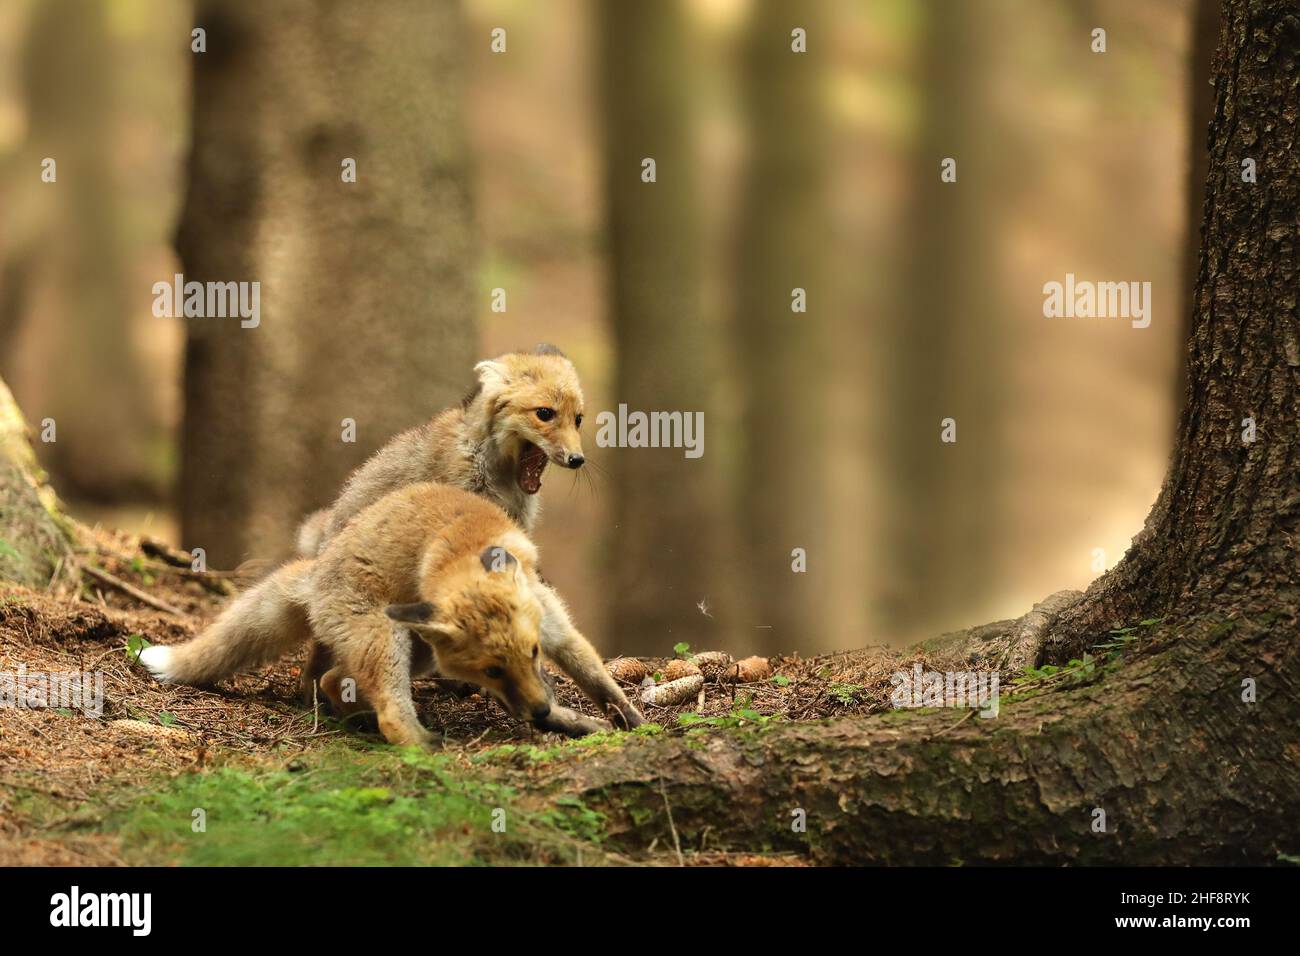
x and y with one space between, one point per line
566 451
526 707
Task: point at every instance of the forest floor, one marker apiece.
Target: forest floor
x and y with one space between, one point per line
249 774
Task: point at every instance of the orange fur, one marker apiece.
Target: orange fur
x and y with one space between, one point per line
417 556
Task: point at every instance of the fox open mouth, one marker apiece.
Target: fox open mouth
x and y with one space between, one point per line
531 462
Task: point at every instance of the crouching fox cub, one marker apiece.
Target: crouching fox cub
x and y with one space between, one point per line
452 568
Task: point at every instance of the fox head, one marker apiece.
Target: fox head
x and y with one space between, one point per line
534 405
485 628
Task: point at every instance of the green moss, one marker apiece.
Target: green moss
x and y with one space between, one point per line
1223 628
574 817
344 805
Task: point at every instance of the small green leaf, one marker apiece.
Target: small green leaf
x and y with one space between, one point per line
134 645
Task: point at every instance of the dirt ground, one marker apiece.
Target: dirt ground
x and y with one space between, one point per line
147 729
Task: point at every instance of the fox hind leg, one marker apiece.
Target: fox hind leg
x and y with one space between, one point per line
320 659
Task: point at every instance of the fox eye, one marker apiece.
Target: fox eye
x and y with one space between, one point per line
546 414
535 648
493 673
577 422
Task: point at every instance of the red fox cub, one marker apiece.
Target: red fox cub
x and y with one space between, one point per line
525 411
450 566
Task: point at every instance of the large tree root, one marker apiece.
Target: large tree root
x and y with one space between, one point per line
1151 759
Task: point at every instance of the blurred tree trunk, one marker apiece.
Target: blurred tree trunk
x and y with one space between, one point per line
34 536
82 368
667 511
1206 20
785 234
366 286
944 357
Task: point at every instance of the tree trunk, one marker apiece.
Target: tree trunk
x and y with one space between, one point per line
1162 737
1221 533
667 511
1206 17
366 286
34 535
82 367
785 231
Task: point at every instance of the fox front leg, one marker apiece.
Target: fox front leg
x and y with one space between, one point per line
378 657
562 720
575 656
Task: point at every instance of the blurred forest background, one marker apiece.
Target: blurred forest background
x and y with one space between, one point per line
521 170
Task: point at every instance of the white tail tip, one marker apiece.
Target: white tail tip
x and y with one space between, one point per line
158 660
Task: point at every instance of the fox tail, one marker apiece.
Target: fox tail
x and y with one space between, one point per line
311 531
261 625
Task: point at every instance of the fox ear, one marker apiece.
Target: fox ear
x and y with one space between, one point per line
437 632
497 558
419 613
491 374
546 348
419 618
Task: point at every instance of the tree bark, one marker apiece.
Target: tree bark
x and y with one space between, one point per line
35 537
366 286
1222 532
1162 737
1206 18
1184 771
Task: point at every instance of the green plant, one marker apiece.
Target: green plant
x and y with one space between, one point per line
742 715
1074 670
844 693
135 644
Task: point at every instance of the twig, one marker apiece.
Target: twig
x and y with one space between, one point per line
953 726
677 844
111 650
131 589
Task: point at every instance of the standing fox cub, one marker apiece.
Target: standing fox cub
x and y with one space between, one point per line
448 565
525 411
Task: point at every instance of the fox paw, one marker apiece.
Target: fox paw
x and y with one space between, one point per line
624 715
562 720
